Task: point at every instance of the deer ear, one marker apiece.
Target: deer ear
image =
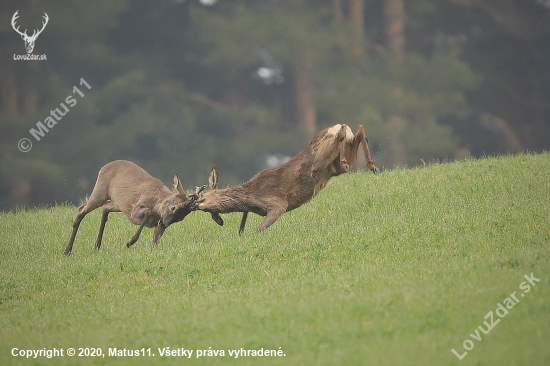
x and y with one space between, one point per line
178 187
213 179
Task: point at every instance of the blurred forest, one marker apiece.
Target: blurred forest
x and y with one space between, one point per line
182 85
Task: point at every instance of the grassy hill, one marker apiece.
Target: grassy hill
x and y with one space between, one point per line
395 269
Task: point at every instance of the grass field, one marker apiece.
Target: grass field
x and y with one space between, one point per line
394 269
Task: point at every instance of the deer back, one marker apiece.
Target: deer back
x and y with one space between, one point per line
281 188
136 193
124 183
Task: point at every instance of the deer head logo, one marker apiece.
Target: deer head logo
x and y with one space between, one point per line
29 40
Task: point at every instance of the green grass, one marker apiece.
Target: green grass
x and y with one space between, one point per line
395 269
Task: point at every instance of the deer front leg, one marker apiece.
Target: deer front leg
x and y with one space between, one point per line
145 216
363 139
217 218
243 222
159 230
135 237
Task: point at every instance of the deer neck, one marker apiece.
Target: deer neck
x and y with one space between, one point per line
163 194
234 199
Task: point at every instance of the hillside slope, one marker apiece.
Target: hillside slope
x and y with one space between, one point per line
394 269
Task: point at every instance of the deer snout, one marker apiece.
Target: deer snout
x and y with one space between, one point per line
199 204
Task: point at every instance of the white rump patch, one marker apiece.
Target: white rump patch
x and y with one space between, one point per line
334 130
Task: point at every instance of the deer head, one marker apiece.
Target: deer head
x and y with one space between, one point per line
176 206
29 40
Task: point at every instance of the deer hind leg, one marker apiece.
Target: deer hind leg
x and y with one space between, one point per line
360 135
107 208
329 147
348 150
83 210
270 218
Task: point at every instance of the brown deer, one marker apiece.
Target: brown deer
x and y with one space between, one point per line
274 191
122 186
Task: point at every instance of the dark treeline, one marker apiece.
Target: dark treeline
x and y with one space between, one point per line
182 85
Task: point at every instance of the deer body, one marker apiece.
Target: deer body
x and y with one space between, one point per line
277 190
123 186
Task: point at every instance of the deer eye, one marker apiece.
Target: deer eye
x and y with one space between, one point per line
172 208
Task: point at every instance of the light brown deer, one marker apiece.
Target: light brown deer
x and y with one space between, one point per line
122 186
274 191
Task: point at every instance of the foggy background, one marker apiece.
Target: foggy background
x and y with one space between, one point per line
180 86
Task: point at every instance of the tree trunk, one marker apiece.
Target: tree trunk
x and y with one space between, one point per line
338 11
357 17
303 91
9 101
395 20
